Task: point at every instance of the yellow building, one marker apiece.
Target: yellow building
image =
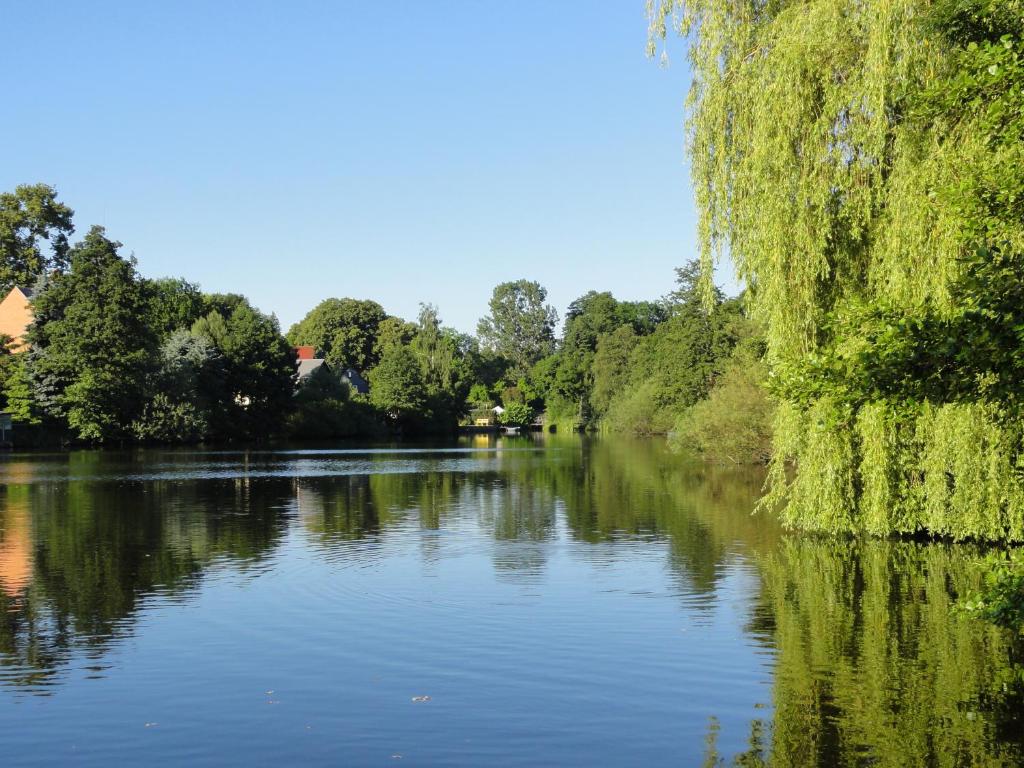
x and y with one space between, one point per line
16 316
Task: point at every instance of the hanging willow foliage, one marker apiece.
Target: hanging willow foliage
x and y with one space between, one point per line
862 164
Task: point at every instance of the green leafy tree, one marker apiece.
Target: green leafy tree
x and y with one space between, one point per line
19 395
91 347
29 215
174 304
734 423
182 395
396 386
863 165
393 331
520 326
479 396
517 415
325 408
255 394
343 330
565 382
586 319
611 365
8 363
675 366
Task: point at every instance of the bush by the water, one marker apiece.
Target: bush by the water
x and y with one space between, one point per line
734 423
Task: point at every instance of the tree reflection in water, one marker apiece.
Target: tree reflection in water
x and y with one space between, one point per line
871 664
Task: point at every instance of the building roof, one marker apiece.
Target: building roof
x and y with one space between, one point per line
307 366
351 377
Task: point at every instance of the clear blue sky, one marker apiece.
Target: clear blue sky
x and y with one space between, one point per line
400 151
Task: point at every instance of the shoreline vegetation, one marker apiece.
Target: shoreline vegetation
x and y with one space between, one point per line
113 358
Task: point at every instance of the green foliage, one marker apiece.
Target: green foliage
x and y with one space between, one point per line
333 418
29 214
445 360
391 331
479 395
397 388
19 396
183 395
326 408
344 331
1001 599
517 415
671 369
640 410
174 304
611 366
520 326
734 423
254 394
89 360
863 165
565 383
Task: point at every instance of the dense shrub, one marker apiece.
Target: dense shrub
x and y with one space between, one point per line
734 424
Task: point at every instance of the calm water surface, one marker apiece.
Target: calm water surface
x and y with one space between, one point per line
519 602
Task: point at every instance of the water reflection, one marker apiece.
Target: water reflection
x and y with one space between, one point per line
79 557
868 665
873 662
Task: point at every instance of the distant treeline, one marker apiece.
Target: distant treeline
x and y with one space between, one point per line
116 357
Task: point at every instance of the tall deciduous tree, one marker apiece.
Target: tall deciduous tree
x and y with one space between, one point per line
259 372
174 304
29 215
91 347
182 396
343 330
447 373
396 386
520 326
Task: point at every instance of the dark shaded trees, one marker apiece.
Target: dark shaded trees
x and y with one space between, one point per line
254 396
184 393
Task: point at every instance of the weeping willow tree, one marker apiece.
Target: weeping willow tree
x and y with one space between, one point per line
862 164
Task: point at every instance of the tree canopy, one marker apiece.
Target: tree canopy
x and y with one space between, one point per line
29 215
520 326
344 331
861 164
89 359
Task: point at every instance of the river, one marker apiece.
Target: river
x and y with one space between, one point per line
501 601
